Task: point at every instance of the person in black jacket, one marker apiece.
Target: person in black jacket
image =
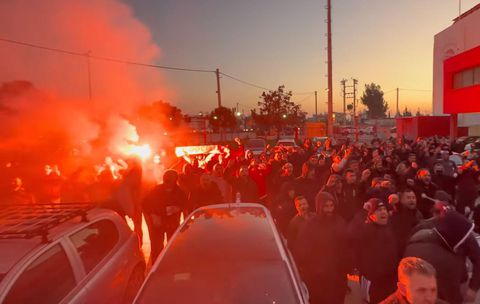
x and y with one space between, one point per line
321 253
297 223
350 195
245 186
206 193
405 218
446 241
424 186
162 207
307 185
375 251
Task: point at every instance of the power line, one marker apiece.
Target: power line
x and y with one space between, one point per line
308 97
261 87
415 90
245 82
389 91
104 58
90 56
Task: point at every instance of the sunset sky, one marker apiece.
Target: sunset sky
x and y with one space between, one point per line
273 42
263 42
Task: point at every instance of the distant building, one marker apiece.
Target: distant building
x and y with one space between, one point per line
456 70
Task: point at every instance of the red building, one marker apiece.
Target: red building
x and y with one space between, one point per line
456 72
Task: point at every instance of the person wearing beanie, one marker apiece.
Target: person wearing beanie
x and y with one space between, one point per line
321 253
446 242
375 251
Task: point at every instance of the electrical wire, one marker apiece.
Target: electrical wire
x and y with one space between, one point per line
416 90
261 87
245 82
90 56
87 55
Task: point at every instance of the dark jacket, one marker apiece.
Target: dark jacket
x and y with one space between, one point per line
425 205
296 224
351 204
283 212
247 189
321 255
439 246
161 197
376 257
201 196
403 221
308 187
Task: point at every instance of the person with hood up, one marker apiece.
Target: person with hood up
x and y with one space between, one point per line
444 246
283 209
375 251
321 253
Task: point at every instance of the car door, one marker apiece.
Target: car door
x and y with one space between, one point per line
104 264
47 278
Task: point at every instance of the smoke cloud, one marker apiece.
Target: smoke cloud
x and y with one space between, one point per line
45 104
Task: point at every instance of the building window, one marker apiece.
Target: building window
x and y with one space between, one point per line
476 76
466 78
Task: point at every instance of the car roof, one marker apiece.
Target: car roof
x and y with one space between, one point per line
12 250
220 252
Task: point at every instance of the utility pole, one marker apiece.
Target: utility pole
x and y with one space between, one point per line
344 93
89 77
316 109
219 96
459 7
355 82
398 109
330 84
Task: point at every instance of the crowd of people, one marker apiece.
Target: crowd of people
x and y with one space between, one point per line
343 209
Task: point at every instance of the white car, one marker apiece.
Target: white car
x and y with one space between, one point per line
228 253
287 142
256 145
69 253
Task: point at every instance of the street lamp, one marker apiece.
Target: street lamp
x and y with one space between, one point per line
215 117
239 114
284 116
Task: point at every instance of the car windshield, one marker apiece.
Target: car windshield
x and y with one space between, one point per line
213 258
255 144
285 143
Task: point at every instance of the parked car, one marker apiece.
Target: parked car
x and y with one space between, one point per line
71 253
287 142
256 145
230 253
461 143
393 132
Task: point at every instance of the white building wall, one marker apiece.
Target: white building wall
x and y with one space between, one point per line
456 39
